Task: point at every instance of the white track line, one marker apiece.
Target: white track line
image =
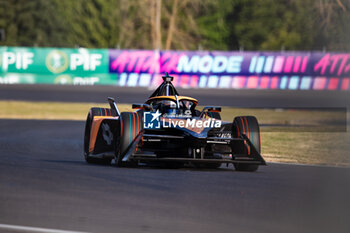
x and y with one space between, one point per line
16 228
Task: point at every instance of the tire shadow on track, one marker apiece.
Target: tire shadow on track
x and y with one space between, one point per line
162 167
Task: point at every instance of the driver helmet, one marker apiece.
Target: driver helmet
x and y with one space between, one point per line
169 107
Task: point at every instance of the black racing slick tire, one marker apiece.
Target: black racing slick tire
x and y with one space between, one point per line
249 126
92 113
130 127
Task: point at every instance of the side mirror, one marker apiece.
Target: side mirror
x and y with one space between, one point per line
212 109
146 107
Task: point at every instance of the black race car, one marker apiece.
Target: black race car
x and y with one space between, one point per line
169 129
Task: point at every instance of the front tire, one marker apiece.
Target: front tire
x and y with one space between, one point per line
249 126
131 125
87 132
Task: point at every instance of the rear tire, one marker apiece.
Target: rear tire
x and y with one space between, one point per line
249 126
131 125
93 112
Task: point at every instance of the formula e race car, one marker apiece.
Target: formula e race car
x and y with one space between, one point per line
169 129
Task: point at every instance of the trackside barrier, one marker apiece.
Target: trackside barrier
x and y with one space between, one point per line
192 69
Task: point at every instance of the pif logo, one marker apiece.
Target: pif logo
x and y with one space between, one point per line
151 120
21 60
84 60
57 61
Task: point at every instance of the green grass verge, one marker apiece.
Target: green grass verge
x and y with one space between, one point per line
325 145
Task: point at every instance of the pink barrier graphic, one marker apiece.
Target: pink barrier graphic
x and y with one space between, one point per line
251 70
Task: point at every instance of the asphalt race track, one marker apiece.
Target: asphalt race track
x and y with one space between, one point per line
44 182
221 97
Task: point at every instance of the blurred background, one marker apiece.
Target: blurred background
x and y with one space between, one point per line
321 25
204 43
